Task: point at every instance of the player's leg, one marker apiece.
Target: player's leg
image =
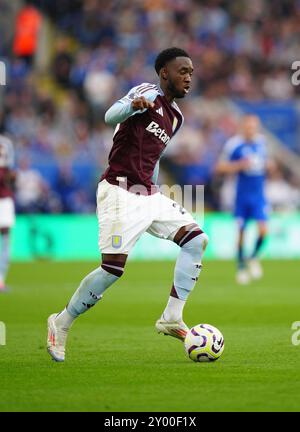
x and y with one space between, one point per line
262 233
242 275
172 222
92 287
192 241
7 220
4 256
89 292
118 233
254 265
241 214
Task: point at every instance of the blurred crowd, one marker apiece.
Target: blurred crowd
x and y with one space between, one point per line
97 50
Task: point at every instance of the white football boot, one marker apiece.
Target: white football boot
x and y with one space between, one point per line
255 268
56 340
243 277
176 329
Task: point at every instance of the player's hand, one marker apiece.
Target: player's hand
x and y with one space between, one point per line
243 164
9 177
141 103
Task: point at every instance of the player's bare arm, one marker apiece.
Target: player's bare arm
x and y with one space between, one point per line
271 166
10 177
232 167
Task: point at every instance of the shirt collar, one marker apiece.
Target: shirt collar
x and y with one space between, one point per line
173 103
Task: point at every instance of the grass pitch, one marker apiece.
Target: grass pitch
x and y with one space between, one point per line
117 362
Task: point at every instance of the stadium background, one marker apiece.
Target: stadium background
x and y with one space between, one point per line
67 61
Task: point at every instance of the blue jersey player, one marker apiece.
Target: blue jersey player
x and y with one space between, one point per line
245 155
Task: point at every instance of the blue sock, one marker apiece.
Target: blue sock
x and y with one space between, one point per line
90 291
4 255
188 266
240 257
258 245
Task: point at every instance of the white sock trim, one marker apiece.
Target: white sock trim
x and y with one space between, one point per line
174 309
64 319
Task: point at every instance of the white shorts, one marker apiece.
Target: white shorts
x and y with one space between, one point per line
7 212
123 217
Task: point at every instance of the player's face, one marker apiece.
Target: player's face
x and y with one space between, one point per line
250 126
179 76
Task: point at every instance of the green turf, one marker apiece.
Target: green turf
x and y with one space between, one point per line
116 361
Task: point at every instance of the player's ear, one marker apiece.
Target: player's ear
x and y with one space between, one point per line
164 73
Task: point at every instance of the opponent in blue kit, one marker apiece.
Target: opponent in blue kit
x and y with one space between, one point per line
245 155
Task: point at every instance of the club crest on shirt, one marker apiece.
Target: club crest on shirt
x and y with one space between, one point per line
116 241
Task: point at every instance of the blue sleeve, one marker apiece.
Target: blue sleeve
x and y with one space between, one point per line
7 156
235 155
155 173
118 113
10 155
231 151
122 109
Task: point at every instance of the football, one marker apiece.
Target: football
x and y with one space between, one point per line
204 343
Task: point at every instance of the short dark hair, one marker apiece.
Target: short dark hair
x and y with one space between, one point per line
167 55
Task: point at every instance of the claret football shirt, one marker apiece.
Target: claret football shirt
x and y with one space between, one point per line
140 136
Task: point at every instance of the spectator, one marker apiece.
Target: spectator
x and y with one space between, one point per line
281 194
31 189
241 51
28 23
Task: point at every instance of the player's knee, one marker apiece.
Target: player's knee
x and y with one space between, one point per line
114 263
263 231
197 244
115 268
201 242
204 241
